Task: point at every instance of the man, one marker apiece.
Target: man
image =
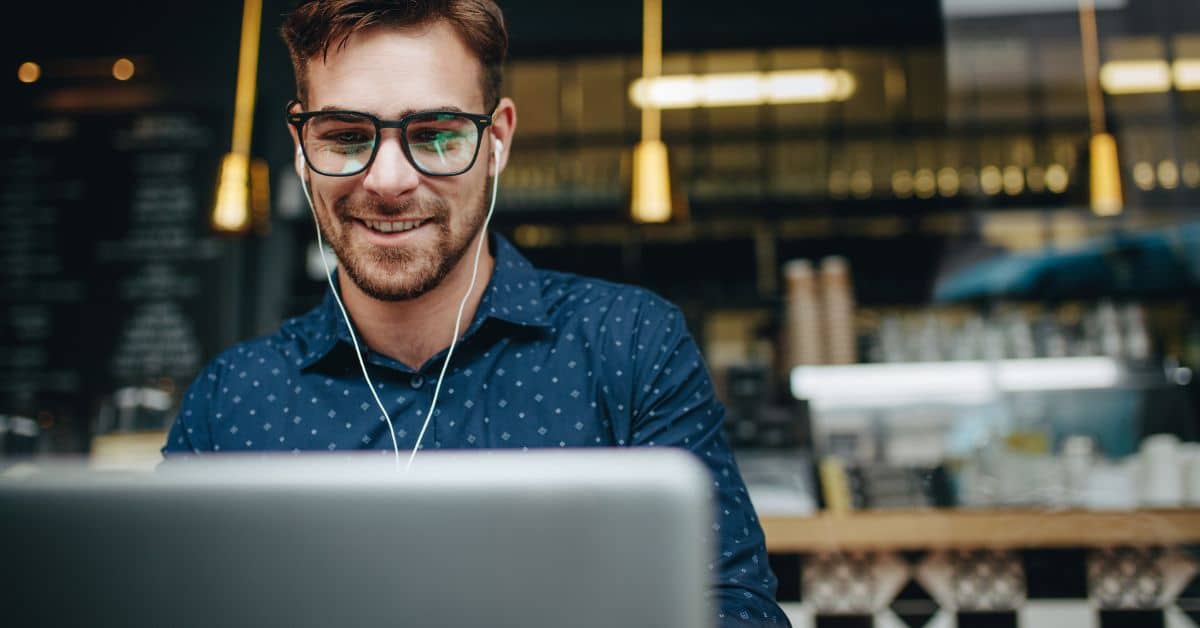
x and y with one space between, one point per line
400 136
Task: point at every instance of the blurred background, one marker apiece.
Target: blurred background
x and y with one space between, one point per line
897 229
942 258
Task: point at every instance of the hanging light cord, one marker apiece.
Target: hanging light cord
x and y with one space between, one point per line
1091 64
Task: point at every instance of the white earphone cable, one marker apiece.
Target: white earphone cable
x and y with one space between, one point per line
349 327
457 320
461 306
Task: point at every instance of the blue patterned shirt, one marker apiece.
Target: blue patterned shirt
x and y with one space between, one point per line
550 360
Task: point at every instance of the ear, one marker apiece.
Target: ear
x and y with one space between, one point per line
504 126
298 161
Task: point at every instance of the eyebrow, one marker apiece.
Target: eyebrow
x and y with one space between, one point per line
406 112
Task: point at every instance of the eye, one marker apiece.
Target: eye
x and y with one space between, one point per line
430 135
352 137
342 129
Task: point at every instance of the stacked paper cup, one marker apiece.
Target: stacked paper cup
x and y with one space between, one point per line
804 344
837 295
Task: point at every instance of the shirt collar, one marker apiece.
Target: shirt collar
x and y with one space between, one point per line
513 295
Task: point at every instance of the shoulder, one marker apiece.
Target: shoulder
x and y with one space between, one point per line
248 356
600 298
625 324
285 349
569 299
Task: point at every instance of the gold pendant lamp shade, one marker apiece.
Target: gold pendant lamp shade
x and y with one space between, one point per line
651 182
1105 176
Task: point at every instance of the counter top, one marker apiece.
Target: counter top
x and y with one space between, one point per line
995 529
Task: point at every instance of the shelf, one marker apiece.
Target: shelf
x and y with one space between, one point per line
980 529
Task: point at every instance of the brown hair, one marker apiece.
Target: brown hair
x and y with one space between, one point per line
316 26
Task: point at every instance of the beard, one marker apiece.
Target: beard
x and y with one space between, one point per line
406 272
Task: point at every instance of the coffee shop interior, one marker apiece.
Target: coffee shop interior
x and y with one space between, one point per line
942 260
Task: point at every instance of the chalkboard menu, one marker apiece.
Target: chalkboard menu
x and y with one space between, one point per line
109 274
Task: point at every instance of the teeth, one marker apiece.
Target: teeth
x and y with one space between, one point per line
392 227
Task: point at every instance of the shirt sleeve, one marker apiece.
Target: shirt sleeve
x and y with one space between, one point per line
190 433
675 405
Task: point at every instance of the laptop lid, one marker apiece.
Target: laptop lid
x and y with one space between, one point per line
580 539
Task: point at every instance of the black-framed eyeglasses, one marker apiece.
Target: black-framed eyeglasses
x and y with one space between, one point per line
344 143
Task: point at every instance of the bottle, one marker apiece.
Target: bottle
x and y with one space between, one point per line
1138 345
1108 327
1078 459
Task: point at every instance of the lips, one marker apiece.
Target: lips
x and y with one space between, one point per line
393 226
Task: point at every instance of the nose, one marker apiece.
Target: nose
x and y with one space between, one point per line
391 175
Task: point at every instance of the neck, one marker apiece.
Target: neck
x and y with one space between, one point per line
414 330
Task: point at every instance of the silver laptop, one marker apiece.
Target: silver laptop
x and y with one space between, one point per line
579 539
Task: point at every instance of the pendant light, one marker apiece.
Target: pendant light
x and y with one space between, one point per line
231 212
1105 171
651 201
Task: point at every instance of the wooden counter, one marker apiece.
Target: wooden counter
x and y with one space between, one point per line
995 529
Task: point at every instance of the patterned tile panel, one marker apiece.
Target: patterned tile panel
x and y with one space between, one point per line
1121 587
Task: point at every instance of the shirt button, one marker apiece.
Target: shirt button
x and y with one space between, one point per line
417 381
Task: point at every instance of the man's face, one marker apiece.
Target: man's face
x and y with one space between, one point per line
398 233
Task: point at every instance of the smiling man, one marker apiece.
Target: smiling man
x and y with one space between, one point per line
435 334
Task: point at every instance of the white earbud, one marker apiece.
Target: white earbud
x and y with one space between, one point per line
497 148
